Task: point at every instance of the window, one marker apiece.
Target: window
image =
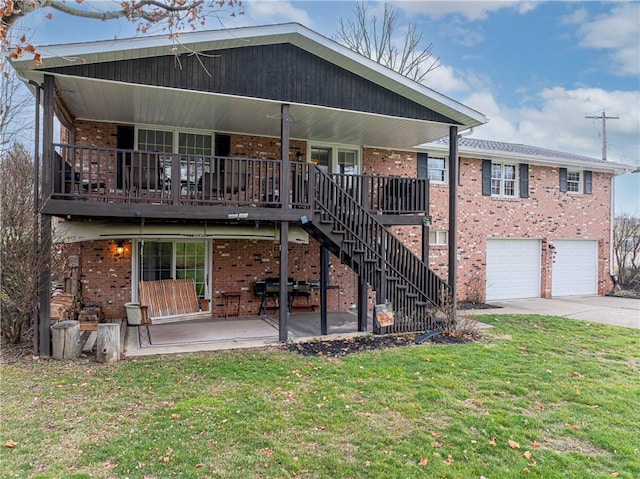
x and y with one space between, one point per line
332 159
432 167
576 181
174 259
348 162
194 144
503 180
437 170
573 182
168 141
438 237
155 140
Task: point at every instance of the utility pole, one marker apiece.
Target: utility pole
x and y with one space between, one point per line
604 118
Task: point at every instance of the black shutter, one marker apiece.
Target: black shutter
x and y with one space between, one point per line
588 182
125 135
423 160
563 180
486 177
524 180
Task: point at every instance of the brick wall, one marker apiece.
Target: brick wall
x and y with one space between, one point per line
546 215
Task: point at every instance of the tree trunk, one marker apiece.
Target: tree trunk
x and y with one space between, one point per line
66 340
108 343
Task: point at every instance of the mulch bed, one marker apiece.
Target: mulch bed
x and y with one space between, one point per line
342 347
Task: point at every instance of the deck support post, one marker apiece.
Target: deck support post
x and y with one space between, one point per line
44 286
362 303
453 194
285 174
324 286
36 208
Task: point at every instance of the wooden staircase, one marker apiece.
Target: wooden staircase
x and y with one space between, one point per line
355 236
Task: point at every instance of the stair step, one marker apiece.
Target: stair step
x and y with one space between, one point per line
326 221
412 295
370 260
338 232
348 241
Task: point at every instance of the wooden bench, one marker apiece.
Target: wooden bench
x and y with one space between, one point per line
170 300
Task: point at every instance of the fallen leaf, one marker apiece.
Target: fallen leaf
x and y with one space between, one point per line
527 471
615 474
575 374
436 435
578 391
575 427
527 454
513 444
427 360
437 445
10 443
535 444
545 439
175 416
268 451
493 441
449 460
424 461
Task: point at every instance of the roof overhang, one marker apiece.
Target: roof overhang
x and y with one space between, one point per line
99 100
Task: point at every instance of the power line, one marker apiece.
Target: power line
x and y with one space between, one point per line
604 118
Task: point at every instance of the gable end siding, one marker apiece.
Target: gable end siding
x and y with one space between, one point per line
281 72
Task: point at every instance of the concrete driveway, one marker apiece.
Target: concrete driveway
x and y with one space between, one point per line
610 310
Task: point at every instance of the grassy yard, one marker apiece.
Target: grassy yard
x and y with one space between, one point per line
539 397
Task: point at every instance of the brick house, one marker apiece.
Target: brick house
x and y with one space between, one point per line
532 222
173 164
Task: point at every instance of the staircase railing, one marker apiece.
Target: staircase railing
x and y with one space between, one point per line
374 252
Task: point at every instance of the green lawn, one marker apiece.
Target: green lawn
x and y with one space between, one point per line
539 397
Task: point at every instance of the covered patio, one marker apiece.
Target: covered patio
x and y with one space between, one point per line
234 333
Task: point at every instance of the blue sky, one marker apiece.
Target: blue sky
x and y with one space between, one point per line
535 69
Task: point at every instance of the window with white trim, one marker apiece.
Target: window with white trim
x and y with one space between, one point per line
166 259
504 180
574 181
437 169
175 141
343 160
438 237
433 168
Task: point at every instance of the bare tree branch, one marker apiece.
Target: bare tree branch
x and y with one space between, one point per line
365 35
626 249
174 14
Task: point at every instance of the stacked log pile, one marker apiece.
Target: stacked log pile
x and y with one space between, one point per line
64 307
90 316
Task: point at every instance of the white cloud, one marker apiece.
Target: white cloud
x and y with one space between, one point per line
619 33
471 10
267 11
559 122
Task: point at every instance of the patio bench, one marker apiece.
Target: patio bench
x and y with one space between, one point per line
170 300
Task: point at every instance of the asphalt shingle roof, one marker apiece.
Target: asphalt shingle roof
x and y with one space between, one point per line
517 148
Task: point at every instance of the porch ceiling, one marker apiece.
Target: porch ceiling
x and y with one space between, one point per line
100 100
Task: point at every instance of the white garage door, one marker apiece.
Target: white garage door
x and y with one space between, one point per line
575 268
513 269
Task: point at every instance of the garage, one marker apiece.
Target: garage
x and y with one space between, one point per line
513 269
575 268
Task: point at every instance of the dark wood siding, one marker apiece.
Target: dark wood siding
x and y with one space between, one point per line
281 72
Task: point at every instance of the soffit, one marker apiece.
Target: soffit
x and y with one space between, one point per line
114 102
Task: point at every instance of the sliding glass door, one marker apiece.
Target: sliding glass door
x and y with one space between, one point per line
158 259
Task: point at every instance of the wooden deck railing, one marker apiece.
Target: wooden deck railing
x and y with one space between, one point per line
118 175
382 259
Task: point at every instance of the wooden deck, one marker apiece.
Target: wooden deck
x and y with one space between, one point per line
117 183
